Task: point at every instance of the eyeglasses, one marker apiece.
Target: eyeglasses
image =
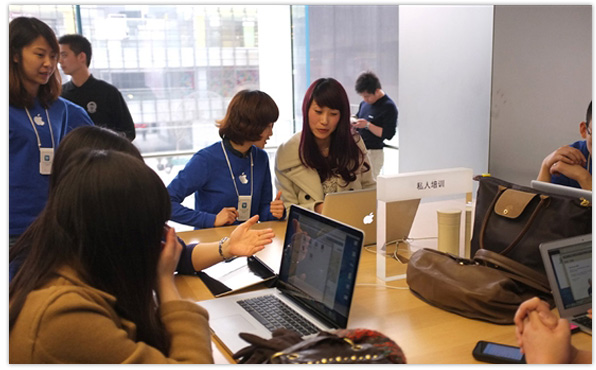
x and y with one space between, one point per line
588 131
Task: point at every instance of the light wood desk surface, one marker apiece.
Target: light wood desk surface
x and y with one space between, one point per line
427 335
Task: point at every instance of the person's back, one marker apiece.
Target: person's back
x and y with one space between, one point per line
102 101
80 296
69 321
92 137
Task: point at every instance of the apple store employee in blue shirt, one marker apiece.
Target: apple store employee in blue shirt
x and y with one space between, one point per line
231 179
38 119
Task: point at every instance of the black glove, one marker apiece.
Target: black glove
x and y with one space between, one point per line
260 349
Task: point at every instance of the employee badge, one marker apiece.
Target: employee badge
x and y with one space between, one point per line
244 202
46 158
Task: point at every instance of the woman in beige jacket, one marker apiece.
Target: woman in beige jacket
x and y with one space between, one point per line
327 156
97 285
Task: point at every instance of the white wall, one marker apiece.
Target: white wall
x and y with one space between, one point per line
542 85
444 87
275 65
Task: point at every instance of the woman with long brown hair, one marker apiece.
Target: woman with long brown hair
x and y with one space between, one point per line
97 283
327 156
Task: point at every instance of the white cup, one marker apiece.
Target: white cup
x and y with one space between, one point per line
449 228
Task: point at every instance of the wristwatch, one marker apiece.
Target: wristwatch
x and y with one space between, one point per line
368 125
221 243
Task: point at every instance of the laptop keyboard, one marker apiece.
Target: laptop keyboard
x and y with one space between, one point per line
584 320
273 314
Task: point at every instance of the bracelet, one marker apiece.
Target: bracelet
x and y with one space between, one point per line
368 125
221 242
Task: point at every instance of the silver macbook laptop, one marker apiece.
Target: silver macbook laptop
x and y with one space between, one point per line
316 281
561 189
358 209
568 265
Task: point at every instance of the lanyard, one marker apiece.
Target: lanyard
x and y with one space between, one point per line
35 129
252 183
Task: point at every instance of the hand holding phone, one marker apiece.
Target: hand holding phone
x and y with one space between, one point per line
496 353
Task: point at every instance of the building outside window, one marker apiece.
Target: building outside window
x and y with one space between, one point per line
179 66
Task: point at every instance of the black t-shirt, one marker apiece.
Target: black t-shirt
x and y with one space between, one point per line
104 104
382 113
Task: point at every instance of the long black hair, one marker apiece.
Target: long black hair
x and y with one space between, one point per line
345 157
22 31
99 222
91 137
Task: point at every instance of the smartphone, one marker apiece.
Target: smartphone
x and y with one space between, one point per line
496 353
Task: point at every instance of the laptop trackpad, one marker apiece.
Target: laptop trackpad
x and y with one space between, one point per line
233 323
227 329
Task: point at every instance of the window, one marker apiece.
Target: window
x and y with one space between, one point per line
178 67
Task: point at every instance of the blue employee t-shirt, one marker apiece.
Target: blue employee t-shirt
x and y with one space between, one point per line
582 146
28 188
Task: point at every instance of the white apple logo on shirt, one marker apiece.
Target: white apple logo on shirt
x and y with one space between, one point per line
38 120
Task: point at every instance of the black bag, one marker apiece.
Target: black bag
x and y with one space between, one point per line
514 220
489 287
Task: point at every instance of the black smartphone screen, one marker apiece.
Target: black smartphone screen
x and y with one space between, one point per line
499 350
498 353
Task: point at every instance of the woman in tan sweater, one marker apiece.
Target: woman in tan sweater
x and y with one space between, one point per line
97 285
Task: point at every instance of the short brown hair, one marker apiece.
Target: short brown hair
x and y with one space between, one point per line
22 31
248 115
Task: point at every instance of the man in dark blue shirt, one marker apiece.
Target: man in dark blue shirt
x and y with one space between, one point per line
571 165
376 118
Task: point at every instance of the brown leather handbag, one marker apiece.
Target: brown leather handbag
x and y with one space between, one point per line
489 287
513 220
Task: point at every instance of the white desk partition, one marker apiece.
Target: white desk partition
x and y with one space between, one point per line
415 185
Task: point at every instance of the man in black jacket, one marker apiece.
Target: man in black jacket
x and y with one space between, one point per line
102 101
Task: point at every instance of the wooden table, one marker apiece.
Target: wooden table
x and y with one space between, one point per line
427 335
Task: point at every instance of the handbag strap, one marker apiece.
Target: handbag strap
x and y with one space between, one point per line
513 269
489 211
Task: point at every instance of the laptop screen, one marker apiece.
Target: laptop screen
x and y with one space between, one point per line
564 190
572 268
319 263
